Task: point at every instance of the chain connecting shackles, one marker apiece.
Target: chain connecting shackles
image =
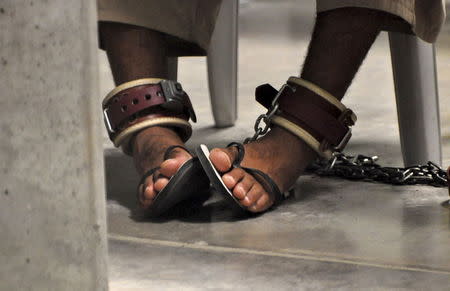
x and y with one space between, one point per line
365 168
266 118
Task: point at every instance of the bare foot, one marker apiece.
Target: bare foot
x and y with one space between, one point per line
279 154
148 153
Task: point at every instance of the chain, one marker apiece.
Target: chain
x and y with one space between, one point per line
365 168
262 129
259 129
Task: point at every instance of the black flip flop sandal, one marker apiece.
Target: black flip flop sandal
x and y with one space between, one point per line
189 182
216 179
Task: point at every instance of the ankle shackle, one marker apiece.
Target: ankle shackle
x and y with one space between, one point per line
136 105
321 120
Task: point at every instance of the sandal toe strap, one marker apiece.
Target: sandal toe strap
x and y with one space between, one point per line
240 153
150 172
170 149
267 183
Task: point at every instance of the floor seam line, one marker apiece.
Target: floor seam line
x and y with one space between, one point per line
221 249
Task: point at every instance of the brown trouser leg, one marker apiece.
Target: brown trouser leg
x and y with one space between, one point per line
134 52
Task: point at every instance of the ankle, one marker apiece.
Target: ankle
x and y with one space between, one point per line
156 134
294 144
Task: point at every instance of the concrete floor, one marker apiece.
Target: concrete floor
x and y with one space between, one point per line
334 234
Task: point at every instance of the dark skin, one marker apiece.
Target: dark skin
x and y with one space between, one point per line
339 44
136 53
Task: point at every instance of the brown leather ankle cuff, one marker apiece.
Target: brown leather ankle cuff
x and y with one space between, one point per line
136 105
320 120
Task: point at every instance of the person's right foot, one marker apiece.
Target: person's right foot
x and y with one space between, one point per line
148 153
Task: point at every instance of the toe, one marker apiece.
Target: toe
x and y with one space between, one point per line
147 195
170 167
160 183
149 192
262 204
253 195
221 159
233 177
241 188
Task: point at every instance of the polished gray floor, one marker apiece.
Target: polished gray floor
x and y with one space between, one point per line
333 235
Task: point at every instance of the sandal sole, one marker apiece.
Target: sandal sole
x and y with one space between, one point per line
186 183
216 180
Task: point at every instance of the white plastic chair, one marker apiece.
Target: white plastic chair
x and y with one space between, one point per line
222 65
416 90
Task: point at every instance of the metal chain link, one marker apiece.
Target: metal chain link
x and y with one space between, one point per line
267 117
260 130
365 168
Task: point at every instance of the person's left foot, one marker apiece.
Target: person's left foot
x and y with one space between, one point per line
279 154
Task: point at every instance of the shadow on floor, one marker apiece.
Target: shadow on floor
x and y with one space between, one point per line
121 180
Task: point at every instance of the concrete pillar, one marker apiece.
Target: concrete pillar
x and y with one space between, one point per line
52 202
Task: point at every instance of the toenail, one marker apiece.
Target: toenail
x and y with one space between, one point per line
221 154
228 178
240 189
